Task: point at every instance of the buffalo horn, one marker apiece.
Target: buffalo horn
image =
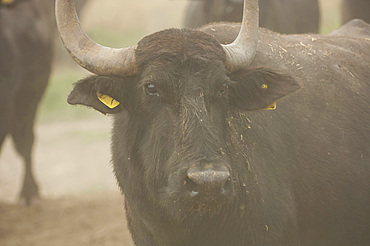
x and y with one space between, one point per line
240 53
96 58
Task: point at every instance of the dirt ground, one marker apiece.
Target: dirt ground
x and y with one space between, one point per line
94 219
81 204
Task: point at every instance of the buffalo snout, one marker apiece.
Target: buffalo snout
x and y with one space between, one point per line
210 180
201 187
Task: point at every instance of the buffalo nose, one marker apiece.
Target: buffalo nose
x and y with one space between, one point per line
209 179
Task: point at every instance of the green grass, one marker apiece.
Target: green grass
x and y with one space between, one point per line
330 15
110 38
54 104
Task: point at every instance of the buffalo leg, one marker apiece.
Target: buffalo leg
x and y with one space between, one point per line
23 117
3 129
23 140
2 135
4 115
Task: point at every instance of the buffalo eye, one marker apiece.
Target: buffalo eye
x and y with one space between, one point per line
151 89
223 89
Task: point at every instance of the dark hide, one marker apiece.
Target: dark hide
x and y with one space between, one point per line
355 9
290 16
283 16
356 28
300 174
26 35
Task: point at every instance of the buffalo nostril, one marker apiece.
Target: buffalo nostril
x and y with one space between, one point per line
193 193
208 180
191 186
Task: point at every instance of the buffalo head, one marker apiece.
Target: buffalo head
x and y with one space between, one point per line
172 95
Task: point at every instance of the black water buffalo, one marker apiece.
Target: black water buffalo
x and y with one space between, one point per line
26 43
202 153
355 9
26 49
283 16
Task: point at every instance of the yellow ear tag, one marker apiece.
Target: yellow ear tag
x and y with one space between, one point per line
5 2
272 106
107 100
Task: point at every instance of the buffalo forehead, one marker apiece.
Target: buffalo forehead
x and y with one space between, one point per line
177 45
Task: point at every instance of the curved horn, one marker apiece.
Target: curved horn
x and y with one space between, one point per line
240 53
88 54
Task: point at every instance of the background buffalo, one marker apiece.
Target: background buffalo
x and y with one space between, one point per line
283 16
27 48
355 9
26 44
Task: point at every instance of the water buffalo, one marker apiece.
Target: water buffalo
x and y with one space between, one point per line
259 141
283 16
26 29
26 43
352 9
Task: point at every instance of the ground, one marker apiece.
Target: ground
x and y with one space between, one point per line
81 203
94 219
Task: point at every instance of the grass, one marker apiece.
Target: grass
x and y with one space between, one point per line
110 38
330 15
54 104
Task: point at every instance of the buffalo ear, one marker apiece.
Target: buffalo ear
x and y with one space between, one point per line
104 94
258 88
